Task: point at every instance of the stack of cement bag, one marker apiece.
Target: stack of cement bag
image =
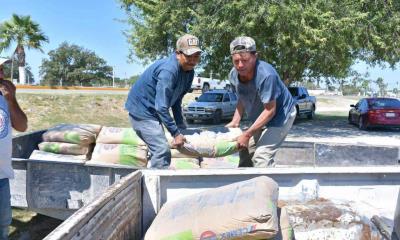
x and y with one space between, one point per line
74 140
120 146
243 210
212 148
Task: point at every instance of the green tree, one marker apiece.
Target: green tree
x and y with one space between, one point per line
15 75
25 33
70 65
382 86
302 39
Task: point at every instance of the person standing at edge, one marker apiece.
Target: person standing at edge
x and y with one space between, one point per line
11 115
161 87
266 101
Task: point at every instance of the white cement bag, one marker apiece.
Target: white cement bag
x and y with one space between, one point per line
64 148
176 154
41 155
242 210
120 154
115 135
210 144
184 163
230 161
83 134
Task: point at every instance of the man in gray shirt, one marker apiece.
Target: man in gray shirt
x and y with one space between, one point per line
266 101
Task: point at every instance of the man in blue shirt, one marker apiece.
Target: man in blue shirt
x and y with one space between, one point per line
161 87
266 101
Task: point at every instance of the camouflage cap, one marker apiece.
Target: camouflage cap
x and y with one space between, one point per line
242 44
188 44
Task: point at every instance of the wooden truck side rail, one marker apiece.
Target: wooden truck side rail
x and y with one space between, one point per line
117 214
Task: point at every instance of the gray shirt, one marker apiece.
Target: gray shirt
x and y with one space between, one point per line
265 87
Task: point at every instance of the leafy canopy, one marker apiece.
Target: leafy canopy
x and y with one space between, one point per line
23 32
302 39
74 65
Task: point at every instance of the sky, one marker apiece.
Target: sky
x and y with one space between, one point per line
95 25
91 24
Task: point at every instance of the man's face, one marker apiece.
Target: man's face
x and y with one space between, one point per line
244 63
188 62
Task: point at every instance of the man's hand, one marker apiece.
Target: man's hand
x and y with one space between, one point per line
8 89
179 140
243 140
182 126
232 125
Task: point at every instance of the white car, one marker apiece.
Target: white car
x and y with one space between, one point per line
213 105
206 84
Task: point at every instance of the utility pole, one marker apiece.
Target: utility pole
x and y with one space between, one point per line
113 83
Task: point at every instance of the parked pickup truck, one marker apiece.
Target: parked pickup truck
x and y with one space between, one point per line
305 104
213 105
206 84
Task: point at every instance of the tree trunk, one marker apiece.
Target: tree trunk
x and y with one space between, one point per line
21 71
21 64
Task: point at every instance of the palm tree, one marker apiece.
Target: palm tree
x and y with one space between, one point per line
25 33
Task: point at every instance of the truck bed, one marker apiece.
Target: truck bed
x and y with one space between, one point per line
127 209
59 188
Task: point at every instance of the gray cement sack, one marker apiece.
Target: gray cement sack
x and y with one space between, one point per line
176 154
64 148
83 134
48 156
185 163
114 135
242 210
323 219
131 155
209 148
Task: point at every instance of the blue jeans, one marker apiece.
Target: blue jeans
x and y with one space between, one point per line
152 133
5 208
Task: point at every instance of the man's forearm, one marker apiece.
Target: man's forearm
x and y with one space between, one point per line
19 120
266 115
238 113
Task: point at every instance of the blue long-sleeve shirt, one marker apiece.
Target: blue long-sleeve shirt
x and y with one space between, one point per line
160 87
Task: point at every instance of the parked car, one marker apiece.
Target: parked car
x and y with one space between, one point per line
213 105
206 84
375 112
305 104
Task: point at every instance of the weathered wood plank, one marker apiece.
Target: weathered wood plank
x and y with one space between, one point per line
89 222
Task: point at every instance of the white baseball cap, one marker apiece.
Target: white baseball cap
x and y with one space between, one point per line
4 60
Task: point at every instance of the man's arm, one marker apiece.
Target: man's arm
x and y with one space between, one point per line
164 90
237 116
19 120
266 115
177 111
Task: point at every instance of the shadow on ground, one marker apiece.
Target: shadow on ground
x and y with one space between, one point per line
28 225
